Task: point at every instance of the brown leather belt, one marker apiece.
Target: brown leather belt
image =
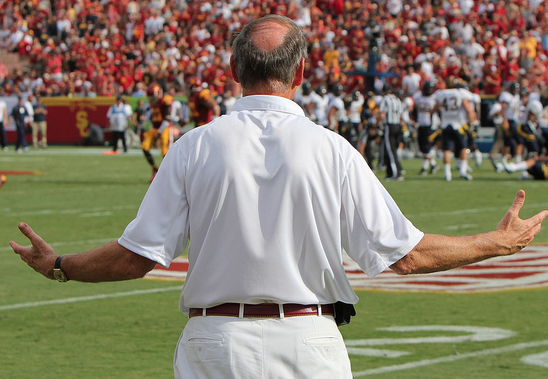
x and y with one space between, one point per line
264 310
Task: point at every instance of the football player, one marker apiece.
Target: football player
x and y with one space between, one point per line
450 102
318 105
304 98
471 127
427 133
510 101
530 130
536 167
203 107
160 118
337 116
355 106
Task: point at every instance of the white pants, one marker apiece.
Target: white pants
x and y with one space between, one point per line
261 348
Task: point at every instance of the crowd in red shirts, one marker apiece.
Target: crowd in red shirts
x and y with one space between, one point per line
106 48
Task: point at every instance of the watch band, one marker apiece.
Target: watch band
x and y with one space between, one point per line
58 262
58 272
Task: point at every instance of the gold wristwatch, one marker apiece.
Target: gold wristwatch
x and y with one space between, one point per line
58 272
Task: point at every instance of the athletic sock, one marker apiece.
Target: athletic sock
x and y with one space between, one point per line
447 170
463 168
520 166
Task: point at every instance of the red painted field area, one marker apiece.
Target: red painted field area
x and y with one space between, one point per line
525 270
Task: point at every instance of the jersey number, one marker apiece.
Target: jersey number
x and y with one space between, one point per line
450 104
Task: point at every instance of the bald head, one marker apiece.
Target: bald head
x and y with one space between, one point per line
267 54
269 35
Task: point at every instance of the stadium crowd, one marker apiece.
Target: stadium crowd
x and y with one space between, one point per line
121 47
107 48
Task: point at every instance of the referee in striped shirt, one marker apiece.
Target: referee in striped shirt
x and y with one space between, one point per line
391 109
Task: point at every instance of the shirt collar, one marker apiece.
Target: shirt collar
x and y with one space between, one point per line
266 102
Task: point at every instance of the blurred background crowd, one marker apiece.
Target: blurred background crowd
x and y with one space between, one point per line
113 47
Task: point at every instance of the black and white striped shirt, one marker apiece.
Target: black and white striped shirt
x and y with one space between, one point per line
392 107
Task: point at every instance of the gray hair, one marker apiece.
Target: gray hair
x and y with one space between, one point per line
274 69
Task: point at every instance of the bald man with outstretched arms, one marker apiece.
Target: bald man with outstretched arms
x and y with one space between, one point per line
269 200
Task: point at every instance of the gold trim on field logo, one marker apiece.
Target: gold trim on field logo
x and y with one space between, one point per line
79 103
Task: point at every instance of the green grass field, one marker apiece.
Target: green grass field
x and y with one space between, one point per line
129 329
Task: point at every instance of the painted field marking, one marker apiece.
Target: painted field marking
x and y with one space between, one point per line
471 334
450 358
20 173
536 359
88 298
527 269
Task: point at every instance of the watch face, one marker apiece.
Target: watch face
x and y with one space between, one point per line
59 275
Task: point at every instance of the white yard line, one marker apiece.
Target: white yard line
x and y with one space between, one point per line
472 211
88 298
72 243
85 211
450 358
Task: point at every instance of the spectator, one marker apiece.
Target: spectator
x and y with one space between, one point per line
39 124
3 122
118 115
411 82
88 37
19 115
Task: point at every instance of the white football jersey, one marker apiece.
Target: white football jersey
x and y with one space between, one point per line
355 110
424 105
513 101
320 107
450 103
340 114
495 113
176 109
475 99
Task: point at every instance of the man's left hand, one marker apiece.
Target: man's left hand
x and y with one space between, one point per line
40 256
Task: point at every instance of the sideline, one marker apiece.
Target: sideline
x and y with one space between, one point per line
88 298
450 358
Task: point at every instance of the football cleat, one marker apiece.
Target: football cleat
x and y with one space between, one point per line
154 172
478 157
509 167
497 165
466 176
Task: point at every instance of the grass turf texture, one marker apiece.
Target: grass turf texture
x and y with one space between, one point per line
83 198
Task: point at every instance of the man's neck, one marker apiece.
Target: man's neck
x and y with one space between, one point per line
289 94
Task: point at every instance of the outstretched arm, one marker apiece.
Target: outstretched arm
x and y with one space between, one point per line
438 253
106 263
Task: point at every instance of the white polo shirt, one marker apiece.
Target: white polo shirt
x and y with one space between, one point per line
268 200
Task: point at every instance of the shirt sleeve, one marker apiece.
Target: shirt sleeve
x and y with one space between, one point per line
161 229
374 233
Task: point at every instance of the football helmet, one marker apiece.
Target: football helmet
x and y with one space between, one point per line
321 90
154 90
513 88
307 88
428 88
535 107
452 82
338 89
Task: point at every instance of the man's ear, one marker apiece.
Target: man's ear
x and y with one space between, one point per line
233 69
299 74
